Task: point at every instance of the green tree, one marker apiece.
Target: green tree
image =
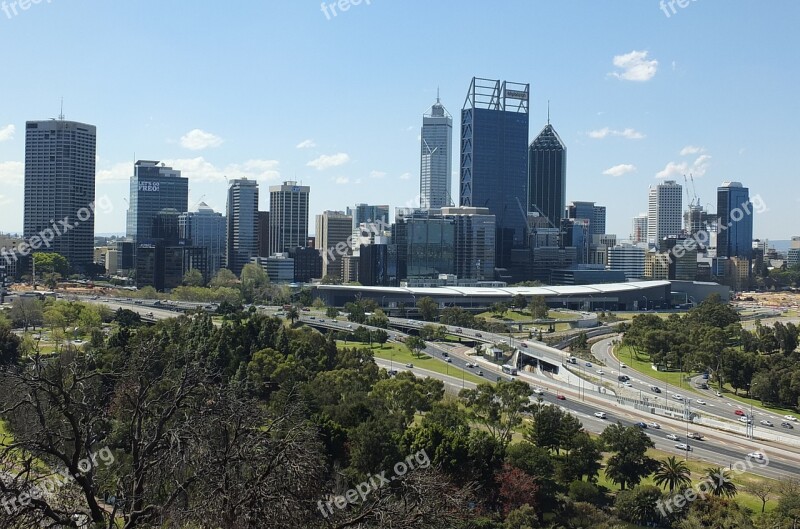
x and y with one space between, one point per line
639 505
331 312
519 302
9 345
50 263
379 336
499 309
26 312
331 280
672 474
721 483
428 309
224 278
293 314
193 278
498 407
538 308
629 463
415 345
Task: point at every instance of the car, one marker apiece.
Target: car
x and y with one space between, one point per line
601 372
480 373
523 344
478 335
766 423
756 455
588 364
745 419
410 366
683 446
312 318
673 437
392 372
349 326
321 320
654 425
695 435
600 415
150 314
459 330
410 322
790 418
701 402
538 391
655 389
641 425
622 366
718 394
470 365
627 384
623 378
561 397
306 309
740 413
787 425
447 359
677 397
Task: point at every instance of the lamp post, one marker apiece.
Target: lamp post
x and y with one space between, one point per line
687 411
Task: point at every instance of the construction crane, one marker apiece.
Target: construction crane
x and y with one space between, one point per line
693 199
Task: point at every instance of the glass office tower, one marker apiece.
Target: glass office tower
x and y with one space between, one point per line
735 221
494 158
547 176
436 158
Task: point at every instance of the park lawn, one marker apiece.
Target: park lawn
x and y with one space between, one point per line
511 315
558 315
398 353
642 364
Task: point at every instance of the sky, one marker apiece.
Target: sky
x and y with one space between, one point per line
281 90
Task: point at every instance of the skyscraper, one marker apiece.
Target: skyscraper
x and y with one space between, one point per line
436 157
639 229
153 188
366 213
263 233
242 217
494 158
664 211
333 228
734 221
288 217
207 229
596 215
547 176
59 184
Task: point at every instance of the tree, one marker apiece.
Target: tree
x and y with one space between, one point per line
498 407
519 302
254 282
415 345
331 312
224 278
761 490
193 278
672 473
538 308
50 263
721 483
517 489
26 312
292 314
380 336
630 462
331 280
499 309
428 309
639 505
9 346
127 318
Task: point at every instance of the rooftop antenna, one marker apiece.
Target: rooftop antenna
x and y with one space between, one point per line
61 114
437 95
548 111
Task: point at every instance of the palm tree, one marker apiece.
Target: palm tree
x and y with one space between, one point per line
293 314
672 473
720 482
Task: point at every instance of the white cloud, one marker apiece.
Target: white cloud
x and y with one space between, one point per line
619 170
691 149
306 144
635 66
630 134
405 176
342 180
197 140
4 200
697 168
326 162
201 170
377 174
12 173
116 173
7 133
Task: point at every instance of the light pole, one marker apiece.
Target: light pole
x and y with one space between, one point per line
687 410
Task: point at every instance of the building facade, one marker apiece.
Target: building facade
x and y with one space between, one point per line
494 158
60 183
596 215
734 221
475 231
242 224
153 188
665 210
333 229
288 217
436 158
628 258
547 177
207 229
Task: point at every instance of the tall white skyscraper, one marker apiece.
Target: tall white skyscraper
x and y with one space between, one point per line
436 158
288 217
665 212
59 184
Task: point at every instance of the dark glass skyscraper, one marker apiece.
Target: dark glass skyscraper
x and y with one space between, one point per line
60 184
547 176
242 217
735 221
494 172
154 187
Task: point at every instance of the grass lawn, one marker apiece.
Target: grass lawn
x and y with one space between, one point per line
558 315
398 353
511 315
643 365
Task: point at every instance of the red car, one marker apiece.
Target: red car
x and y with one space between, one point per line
561 397
739 413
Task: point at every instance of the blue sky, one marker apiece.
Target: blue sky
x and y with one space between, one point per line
277 90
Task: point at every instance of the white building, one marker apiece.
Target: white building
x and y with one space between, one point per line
665 211
628 258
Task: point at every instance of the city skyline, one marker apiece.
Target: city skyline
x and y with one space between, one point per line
640 104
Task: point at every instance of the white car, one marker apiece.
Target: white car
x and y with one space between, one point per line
654 425
600 415
766 423
745 419
790 418
673 437
718 394
623 366
677 397
701 402
627 384
756 455
538 391
683 446
601 372
470 365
